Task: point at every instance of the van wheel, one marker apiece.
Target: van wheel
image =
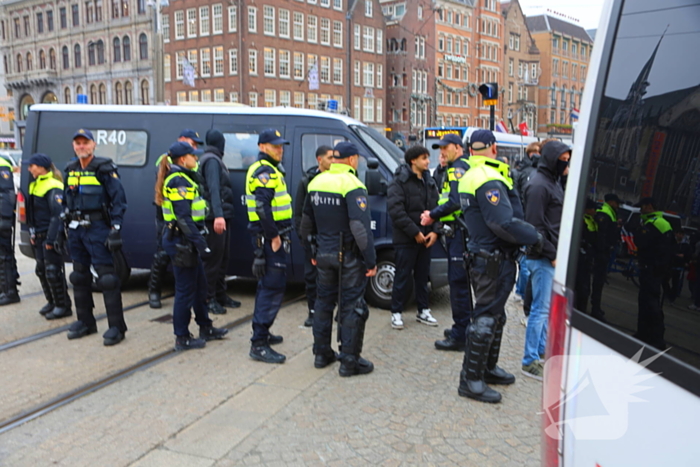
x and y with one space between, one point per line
380 286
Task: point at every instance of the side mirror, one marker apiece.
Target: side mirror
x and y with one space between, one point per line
373 179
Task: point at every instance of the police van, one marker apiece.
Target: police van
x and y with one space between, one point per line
609 398
135 136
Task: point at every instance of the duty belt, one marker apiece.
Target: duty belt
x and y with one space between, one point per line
88 216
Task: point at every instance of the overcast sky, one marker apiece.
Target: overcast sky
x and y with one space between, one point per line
586 11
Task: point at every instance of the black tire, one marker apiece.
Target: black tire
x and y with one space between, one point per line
379 288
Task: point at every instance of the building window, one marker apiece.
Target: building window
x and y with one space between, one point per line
192 22
368 109
299 66
93 94
192 57
252 20
181 97
284 63
285 98
218 61
77 62
270 97
75 10
115 9
356 41
312 100
204 23
39 22
89 12
205 65
42 59
368 73
206 95
253 99
103 94
368 8
311 29
117 49
380 41
126 45
380 76
179 25
165 27
233 61
194 96
91 54
125 8
49 24
268 20
145 91
337 34
338 4
252 61
356 73
118 93
166 68
233 96
368 39
62 14
179 64
269 61
357 108
325 70
218 95
66 96
337 71
232 19
218 14
64 55
100 52
325 31
298 26
284 23
143 46
141 7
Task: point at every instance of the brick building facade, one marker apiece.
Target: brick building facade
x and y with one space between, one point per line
278 52
53 51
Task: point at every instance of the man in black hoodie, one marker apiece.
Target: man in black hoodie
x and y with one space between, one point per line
411 192
324 157
218 192
545 198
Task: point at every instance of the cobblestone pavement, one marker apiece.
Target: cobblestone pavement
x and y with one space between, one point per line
218 407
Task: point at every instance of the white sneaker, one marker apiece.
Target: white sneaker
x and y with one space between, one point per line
523 321
396 321
426 317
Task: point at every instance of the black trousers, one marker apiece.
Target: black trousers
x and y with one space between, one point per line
412 264
491 293
310 275
650 320
215 266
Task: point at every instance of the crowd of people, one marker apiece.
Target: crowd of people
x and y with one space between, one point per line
495 222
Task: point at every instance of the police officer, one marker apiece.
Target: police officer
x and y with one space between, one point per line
448 208
161 260
324 156
177 192
608 238
655 243
493 214
218 190
589 237
95 203
8 263
44 209
270 218
337 212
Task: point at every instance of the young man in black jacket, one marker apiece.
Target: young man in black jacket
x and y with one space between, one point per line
545 199
324 157
412 192
218 192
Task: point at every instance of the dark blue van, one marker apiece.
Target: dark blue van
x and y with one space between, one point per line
134 137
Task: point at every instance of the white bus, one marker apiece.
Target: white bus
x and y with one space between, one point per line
611 398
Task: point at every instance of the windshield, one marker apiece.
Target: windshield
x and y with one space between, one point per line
386 151
434 153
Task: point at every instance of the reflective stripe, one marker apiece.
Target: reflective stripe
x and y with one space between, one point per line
198 207
281 204
44 184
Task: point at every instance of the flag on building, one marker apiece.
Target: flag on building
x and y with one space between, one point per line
188 73
524 129
574 114
313 78
501 127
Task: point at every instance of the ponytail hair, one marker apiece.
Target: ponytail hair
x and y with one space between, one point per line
163 170
56 173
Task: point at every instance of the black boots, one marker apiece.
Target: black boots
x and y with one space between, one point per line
495 374
350 365
215 308
56 279
263 353
471 381
309 322
155 281
154 299
324 359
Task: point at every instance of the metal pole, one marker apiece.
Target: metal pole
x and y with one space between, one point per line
492 117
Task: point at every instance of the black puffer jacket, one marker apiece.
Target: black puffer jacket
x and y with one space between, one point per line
218 189
407 198
545 198
525 171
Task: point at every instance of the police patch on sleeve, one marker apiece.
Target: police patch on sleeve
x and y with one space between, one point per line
264 178
58 198
5 175
459 173
182 191
114 175
494 196
362 202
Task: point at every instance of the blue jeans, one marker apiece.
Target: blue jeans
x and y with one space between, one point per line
523 277
542 275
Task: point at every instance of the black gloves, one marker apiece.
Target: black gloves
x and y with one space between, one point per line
114 240
536 249
259 264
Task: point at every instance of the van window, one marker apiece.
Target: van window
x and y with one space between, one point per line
241 150
386 151
127 148
310 142
645 143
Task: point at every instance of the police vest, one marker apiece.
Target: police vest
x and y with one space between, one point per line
454 174
87 192
181 193
281 203
608 210
591 224
484 169
657 220
39 210
7 190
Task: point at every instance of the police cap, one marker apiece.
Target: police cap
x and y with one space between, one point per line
42 160
181 148
345 149
611 197
191 134
271 136
448 139
84 133
481 139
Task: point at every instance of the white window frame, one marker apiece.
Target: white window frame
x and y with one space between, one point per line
179 64
368 74
380 75
298 65
204 21
253 99
191 24
206 95
338 5
283 18
379 114
380 42
357 74
252 19
232 18
325 70
311 29
338 34
269 64
368 39
232 61
270 97
357 37
298 26
217 24
337 71
205 62
369 8
253 62
165 28
167 68
285 59
179 25
233 96
299 100
325 31
268 20
286 98
218 61
219 95
368 109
